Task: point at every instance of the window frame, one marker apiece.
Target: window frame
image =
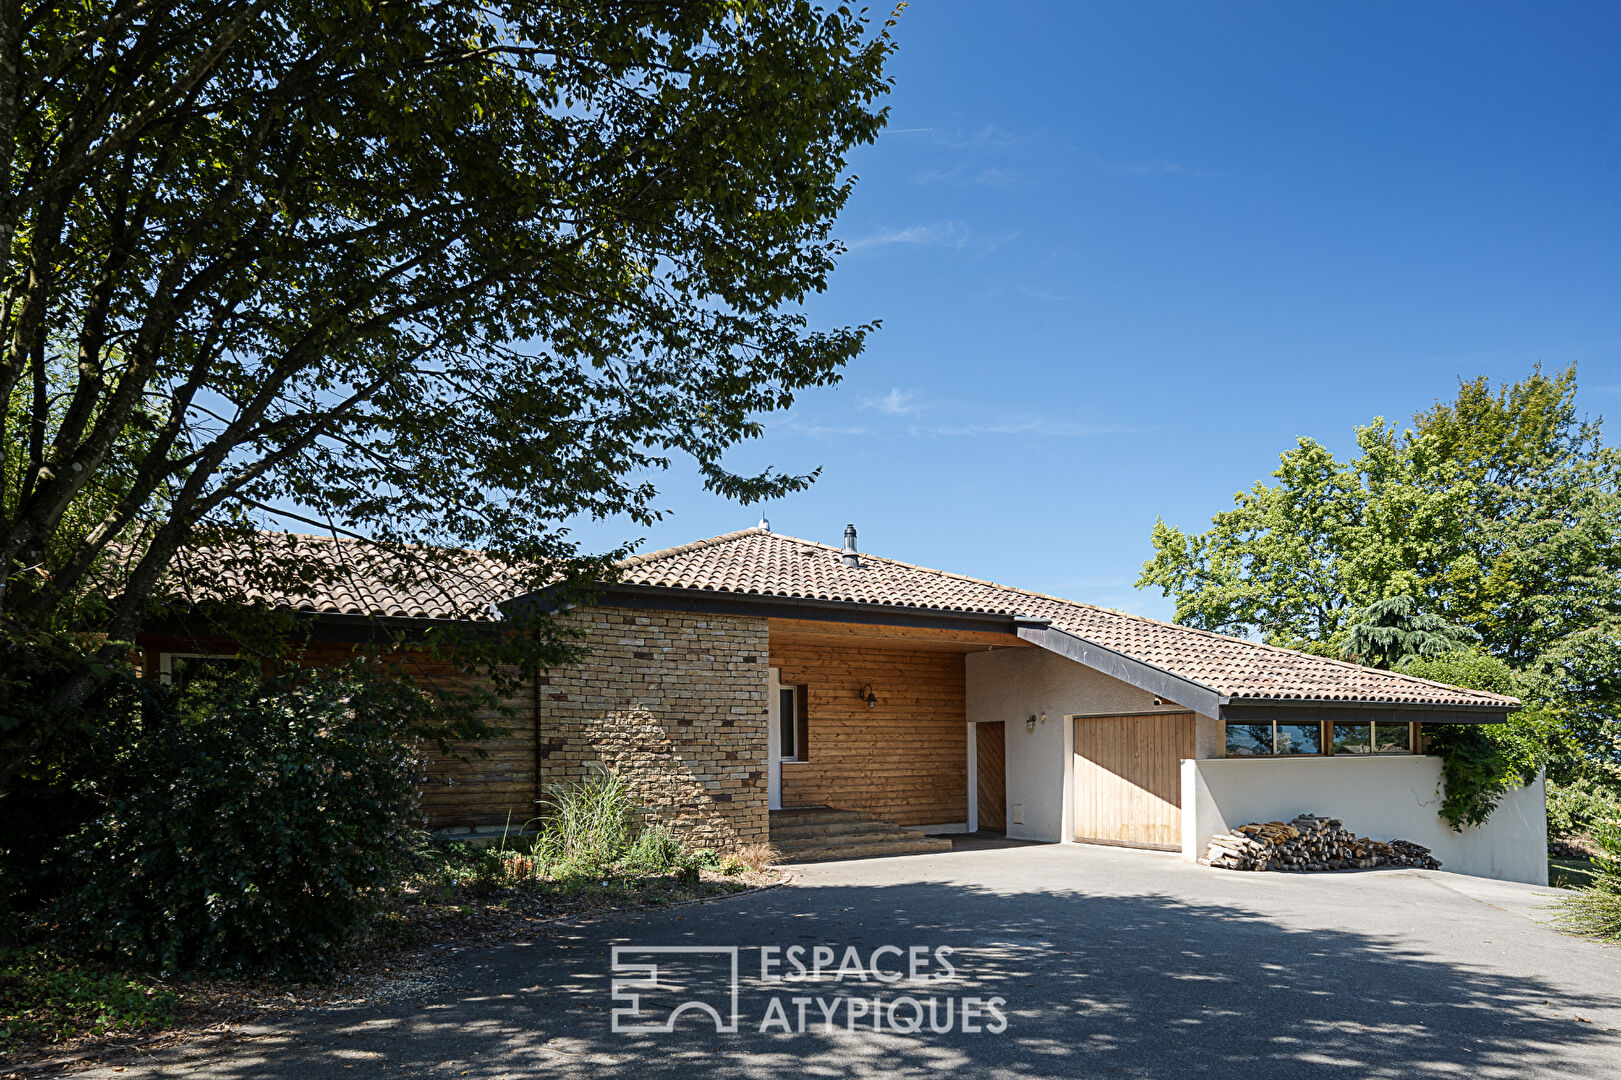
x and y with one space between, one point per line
166 662
799 694
1325 739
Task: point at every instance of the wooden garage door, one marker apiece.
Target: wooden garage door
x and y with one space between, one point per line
1128 779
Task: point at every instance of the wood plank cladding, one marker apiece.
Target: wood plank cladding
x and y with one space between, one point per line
470 785
991 762
462 790
813 631
1128 778
903 760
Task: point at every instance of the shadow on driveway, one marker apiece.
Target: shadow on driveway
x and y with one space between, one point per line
1122 985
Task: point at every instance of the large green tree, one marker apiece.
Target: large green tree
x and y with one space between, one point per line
1498 512
437 273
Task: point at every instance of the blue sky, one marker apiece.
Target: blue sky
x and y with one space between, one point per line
1125 254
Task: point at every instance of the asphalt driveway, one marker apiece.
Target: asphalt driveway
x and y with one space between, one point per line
1106 963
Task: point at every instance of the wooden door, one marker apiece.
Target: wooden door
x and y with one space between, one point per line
991 756
1128 779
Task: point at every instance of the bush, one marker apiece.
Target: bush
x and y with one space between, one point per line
653 851
1481 763
1596 910
1579 808
591 824
254 828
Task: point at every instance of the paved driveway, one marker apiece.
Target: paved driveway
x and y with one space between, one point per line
1109 963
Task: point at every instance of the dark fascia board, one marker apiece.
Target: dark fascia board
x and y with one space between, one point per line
1157 681
714 602
1266 711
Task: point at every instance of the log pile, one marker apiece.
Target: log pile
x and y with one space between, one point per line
1309 843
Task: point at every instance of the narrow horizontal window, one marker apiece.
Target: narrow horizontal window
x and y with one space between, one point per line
1249 740
1299 739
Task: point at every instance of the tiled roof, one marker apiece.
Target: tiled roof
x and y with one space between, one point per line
322 575
761 563
328 576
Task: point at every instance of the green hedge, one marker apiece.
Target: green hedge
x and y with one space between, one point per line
254 827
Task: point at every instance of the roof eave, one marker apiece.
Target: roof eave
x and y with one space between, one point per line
1266 709
766 605
1155 680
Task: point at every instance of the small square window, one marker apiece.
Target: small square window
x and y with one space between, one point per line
1392 738
1353 738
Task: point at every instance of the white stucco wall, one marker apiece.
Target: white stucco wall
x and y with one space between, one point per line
1384 798
1011 685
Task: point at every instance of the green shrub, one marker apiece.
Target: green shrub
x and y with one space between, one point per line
653 851
1480 763
1596 910
255 828
589 826
46 997
1579 808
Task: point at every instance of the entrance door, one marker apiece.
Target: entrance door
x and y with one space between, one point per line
1128 779
990 755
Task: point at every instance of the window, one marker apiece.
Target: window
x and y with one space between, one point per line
1274 739
179 669
1249 740
1392 738
793 723
1280 739
1299 739
1378 737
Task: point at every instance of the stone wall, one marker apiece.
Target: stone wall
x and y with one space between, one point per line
676 704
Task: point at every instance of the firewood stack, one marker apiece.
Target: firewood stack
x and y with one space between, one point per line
1309 843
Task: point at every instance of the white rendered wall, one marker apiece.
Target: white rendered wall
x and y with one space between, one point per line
1384 798
1011 685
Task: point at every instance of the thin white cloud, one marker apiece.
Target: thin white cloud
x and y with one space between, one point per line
947 234
813 430
996 177
897 402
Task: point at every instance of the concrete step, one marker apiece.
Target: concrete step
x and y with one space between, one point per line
869 835
820 833
915 845
781 833
816 815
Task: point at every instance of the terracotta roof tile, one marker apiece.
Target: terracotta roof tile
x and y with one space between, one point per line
327 576
769 564
355 578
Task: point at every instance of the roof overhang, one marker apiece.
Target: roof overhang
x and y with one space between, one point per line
1253 710
1157 681
712 602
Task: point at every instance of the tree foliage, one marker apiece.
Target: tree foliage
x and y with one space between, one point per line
1388 631
1498 512
437 274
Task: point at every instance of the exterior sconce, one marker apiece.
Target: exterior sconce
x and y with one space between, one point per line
1030 724
866 694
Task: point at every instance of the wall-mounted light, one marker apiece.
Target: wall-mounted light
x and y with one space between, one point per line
866 694
1030 724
